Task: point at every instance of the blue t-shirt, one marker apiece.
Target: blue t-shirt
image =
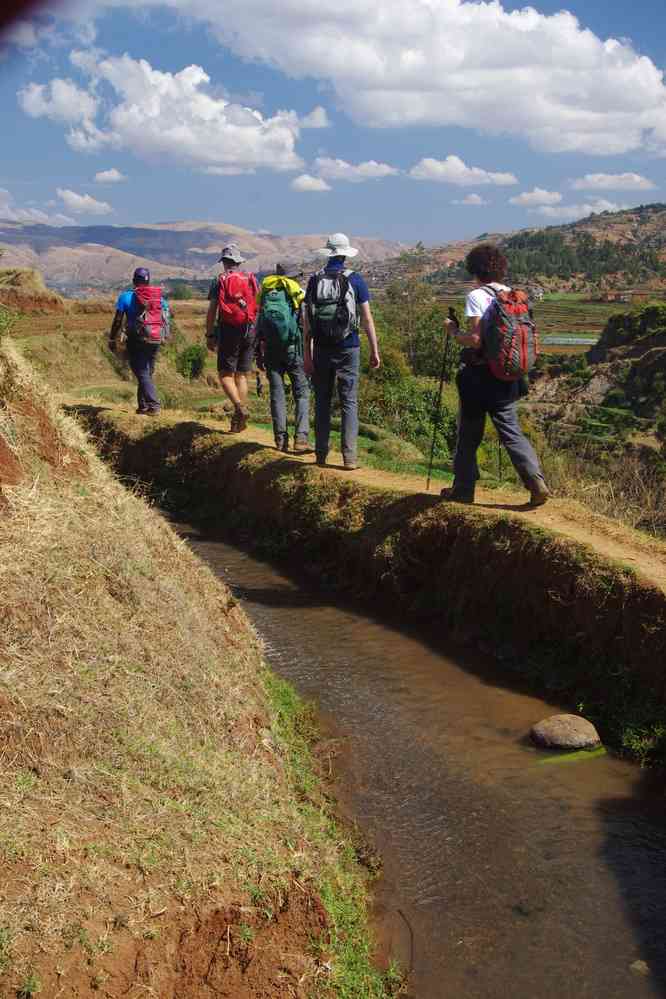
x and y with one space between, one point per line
361 293
128 304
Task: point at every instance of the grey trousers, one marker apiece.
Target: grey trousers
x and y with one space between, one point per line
341 366
481 395
301 392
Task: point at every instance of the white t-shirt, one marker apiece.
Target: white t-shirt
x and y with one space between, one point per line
478 300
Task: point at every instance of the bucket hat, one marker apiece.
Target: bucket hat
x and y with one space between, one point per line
232 253
337 245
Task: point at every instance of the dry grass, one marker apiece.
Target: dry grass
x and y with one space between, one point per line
626 488
139 769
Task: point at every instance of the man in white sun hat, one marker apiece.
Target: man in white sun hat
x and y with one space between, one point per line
337 304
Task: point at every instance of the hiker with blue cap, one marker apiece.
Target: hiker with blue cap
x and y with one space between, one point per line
141 324
337 305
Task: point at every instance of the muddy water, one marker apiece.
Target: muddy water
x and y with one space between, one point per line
506 876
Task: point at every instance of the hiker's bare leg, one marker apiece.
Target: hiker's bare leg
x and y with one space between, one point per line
228 382
241 387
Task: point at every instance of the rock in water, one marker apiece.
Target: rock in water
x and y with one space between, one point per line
565 732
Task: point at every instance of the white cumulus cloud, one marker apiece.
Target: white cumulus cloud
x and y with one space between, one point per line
537 196
573 212
545 77
453 170
613 182
307 183
111 176
335 169
11 212
160 114
83 204
60 100
471 199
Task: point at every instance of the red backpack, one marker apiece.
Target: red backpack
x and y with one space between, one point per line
237 299
510 342
151 325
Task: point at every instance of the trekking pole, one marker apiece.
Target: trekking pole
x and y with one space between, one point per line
438 406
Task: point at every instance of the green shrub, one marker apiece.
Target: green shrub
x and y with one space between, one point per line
7 320
181 292
190 362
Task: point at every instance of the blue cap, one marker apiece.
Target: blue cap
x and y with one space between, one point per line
141 276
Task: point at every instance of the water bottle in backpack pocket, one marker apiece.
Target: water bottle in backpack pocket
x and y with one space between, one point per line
510 342
237 299
332 308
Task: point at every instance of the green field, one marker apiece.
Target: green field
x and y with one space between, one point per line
565 315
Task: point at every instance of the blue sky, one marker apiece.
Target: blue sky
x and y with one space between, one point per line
435 120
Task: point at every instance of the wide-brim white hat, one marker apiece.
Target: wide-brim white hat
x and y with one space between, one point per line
337 245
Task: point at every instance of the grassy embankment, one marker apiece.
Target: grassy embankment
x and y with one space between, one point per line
163 830
576 625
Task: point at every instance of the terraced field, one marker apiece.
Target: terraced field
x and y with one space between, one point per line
566 317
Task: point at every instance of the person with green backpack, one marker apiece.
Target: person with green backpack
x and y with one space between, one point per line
280 353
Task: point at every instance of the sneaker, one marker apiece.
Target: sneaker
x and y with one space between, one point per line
301 446
282 444
456 494
141 412
350 464
539 491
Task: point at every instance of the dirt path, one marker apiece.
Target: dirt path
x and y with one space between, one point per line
641 552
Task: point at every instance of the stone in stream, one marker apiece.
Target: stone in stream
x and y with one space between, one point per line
565 732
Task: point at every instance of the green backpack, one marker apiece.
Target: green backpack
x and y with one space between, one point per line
278 325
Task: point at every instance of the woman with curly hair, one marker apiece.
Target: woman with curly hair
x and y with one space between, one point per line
481 393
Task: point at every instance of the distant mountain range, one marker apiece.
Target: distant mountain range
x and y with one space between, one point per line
101 257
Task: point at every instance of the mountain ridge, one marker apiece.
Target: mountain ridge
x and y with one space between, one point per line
102 256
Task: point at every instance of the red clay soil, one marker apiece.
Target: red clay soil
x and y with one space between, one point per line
46 440
10 469
31 303
233 952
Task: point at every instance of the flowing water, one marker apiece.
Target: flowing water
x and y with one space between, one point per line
509 874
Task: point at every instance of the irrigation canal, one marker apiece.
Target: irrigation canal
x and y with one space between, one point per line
506 875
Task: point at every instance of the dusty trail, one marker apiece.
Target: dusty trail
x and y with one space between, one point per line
641 552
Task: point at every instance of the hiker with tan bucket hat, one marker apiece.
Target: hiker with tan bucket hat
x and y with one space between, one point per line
230 330
337 305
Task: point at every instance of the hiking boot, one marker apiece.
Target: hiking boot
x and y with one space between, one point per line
282 444
301 446
141 412
238 421
321 460
539 492
350 464
457 494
